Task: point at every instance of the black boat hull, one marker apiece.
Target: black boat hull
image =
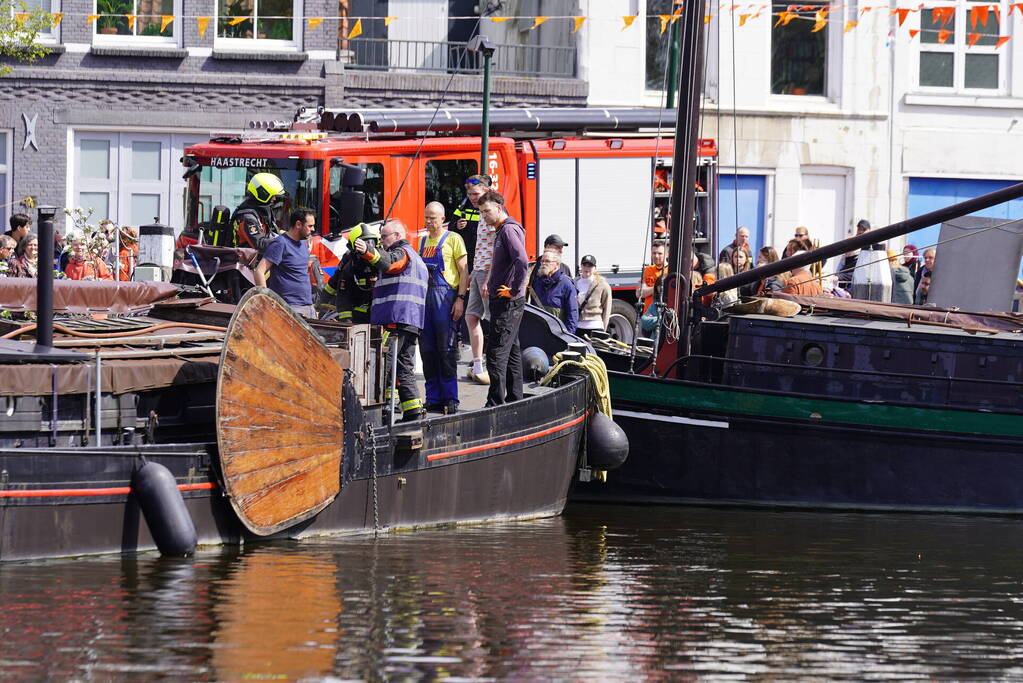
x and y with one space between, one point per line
697 443
515 462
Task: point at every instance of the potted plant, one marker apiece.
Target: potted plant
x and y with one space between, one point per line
112 20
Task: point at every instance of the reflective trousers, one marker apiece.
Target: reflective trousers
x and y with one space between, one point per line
439 346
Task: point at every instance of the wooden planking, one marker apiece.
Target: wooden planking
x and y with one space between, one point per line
279 416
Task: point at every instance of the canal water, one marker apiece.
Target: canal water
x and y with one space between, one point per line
602 593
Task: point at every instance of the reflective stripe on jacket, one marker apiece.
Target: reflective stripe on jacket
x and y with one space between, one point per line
401 297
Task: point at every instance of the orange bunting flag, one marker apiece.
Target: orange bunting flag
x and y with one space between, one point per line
314 22
972 38
202 23
742 19
537 21
784 18
903 12
912 33
850 25
1016 6
665 18
57 18
131 21
21 17
628 21
864 10
978 12
820 20
388 20
165 21
942 15
943 35
237 20
707 18
356 30
91 18
499 20
578 21
1001 41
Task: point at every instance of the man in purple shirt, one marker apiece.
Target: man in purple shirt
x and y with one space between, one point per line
288 254
506 288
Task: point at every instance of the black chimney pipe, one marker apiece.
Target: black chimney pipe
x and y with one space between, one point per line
44 279
872 237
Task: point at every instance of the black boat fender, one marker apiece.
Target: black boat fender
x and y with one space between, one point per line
163 506
607 446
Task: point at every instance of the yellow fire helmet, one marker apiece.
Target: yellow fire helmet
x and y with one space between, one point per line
265 186
366 231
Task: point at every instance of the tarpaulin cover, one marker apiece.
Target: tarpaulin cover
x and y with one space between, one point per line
214 260
964 320
119 376
86 296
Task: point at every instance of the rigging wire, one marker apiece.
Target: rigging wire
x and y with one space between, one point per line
426 133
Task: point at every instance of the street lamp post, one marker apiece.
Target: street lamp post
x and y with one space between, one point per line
483 44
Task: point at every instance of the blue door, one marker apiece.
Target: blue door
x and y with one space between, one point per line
928 194
741 201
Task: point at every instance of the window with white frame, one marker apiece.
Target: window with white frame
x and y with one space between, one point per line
959 47
266 23
801 57
6 138
48 35
138 21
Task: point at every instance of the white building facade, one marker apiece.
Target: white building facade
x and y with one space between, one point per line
862 119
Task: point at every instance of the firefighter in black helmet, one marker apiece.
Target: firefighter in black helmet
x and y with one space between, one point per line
256 218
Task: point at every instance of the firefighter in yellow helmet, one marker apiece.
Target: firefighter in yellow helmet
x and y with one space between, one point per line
256 220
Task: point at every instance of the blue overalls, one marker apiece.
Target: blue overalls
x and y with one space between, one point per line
439 341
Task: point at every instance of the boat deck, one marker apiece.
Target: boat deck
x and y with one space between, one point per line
471 395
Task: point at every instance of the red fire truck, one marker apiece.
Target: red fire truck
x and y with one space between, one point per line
597 190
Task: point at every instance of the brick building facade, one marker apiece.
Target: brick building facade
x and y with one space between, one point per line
101 122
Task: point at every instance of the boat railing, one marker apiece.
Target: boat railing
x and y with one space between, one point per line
856 384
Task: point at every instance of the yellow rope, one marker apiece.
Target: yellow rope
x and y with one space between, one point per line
593 364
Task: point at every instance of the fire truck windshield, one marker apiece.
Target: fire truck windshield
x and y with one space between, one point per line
222 181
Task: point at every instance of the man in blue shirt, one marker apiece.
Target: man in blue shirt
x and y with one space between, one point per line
289 256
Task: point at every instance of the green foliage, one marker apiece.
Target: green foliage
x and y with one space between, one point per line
20 27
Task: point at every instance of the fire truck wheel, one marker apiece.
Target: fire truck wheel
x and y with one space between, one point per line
622 323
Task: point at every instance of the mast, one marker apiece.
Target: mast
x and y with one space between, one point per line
683 196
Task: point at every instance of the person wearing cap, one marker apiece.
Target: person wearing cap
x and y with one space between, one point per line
594 297
849 260
557 244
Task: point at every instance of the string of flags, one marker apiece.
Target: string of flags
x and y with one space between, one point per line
782 15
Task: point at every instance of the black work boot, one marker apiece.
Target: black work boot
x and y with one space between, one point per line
413 415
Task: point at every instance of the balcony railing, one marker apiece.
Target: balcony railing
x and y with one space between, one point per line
528 61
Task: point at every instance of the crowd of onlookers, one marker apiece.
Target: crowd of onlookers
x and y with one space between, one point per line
106 252
874 274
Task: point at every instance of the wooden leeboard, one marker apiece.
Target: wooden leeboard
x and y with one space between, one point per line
279 416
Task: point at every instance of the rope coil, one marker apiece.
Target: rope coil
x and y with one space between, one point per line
600 386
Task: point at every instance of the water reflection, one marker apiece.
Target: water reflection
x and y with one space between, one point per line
606 593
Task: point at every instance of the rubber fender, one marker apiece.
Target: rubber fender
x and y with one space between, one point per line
607 446
535 363
164 509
